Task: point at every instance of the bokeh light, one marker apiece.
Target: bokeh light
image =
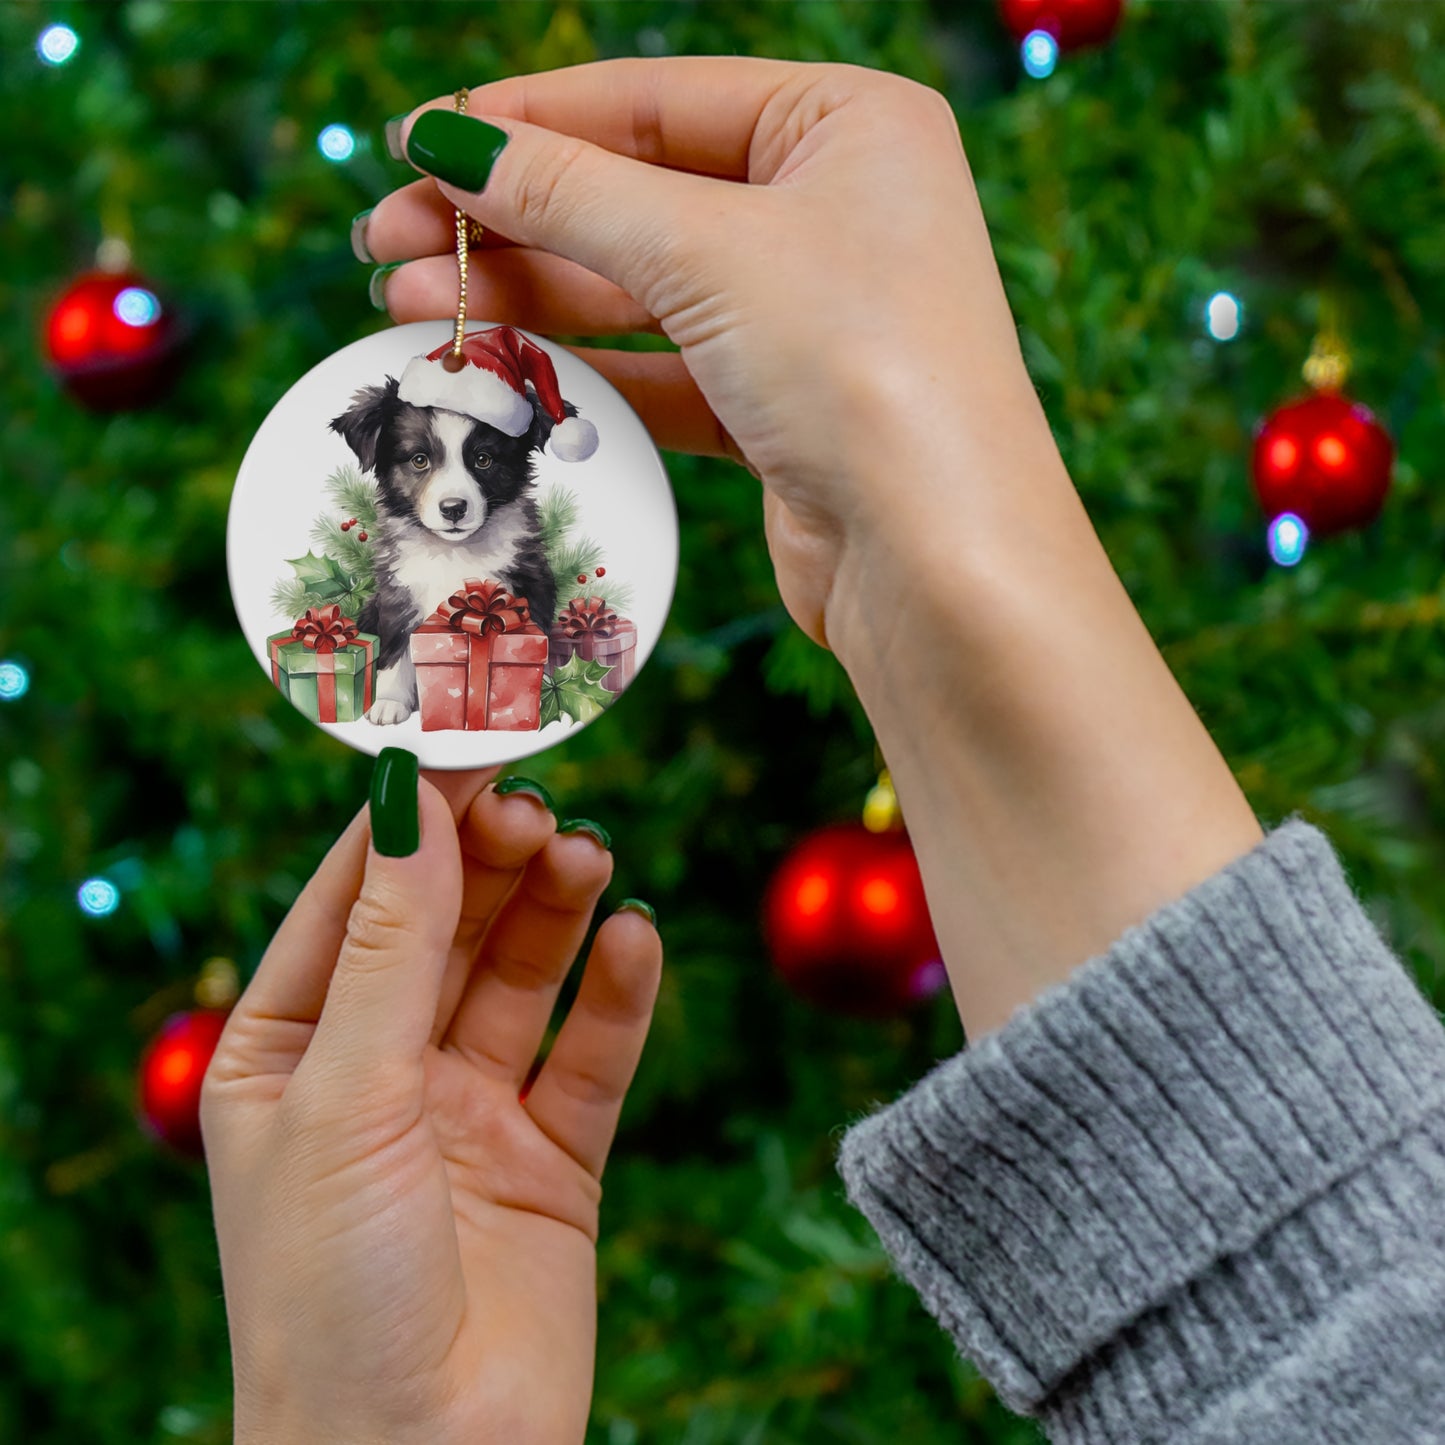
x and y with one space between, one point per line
1040 52
1288 537
813 894
336 143
1223 316
98 897
137 307
57 44
14 681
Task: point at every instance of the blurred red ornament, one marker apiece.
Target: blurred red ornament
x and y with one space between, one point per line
171 1071
1073 23
1326 459
111 341
847 923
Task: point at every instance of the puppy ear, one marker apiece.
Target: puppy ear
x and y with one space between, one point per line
361 425
542 423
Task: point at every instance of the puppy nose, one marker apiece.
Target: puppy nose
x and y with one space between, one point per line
453 509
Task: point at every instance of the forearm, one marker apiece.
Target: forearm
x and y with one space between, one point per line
1057 784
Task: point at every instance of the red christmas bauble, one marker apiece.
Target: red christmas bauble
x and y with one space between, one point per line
111 340
171 1071
1073 23
847 923
1324 458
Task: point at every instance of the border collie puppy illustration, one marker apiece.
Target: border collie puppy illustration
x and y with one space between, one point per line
452 454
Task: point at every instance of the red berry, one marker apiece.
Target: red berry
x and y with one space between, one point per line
346 526
582 577
361 536
601 571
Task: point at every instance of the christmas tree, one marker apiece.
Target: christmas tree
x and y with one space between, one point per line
1280 160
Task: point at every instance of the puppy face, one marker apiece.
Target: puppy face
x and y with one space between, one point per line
438 469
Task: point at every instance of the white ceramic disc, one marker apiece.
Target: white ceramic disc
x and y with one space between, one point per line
471 564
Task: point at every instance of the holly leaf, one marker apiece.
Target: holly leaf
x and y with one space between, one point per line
324 578
312 568
575 689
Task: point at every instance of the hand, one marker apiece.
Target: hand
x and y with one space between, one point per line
841 304
810 237
408 1247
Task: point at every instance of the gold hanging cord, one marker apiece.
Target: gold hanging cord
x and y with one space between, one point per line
468 232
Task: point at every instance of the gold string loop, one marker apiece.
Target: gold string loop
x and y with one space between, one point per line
468 231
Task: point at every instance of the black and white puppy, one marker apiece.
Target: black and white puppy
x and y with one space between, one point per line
453 501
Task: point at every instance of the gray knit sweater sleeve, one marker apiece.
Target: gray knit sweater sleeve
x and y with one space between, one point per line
1196 1192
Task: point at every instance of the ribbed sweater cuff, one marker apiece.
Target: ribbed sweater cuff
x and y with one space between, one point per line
1138 1167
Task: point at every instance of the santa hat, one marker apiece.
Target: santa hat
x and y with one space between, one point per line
491 385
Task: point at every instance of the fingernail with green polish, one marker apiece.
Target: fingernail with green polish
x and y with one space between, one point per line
359 247
455 148
392 133
526 785
586 825
395 811
636 905
376 287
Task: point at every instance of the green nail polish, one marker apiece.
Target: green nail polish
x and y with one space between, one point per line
395 811
526 785
455 148
636 905
586 825
358 236
376 287
392 132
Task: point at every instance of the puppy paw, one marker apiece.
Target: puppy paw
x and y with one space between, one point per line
388 710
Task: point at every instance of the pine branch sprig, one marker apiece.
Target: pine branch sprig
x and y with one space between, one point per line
558 513
288 597
572 557
617 595
353 495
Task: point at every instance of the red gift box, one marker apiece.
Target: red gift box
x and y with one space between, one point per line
479 661
589 629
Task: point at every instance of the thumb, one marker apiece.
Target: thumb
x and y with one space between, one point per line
382 999
634 224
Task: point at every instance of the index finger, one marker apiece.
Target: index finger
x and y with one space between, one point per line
696 113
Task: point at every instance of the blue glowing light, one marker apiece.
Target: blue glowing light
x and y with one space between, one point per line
57 44
336 143
1288 537
14 681
1040 53
98 897
137 307
1223 316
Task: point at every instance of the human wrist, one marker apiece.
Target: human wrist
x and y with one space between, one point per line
1057 784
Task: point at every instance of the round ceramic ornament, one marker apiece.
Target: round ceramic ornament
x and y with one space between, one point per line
468 553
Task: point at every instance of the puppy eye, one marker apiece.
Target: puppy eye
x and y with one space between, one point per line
420 461
483 460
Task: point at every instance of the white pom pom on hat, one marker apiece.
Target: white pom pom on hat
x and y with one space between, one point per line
491 385
573 439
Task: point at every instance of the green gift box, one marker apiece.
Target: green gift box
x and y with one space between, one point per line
324 666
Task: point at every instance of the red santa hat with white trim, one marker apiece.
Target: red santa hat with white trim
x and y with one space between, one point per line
491 385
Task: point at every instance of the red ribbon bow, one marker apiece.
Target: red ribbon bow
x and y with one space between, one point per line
324 629
588 618
484 607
